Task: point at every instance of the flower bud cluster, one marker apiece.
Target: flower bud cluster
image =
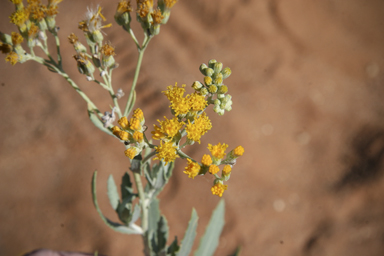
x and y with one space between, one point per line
102 55
32 21
149 17
213 85
131 132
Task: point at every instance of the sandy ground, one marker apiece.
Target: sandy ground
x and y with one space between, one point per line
307 87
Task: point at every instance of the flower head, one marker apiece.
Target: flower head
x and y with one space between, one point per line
198 128
206 160
218 189
218 151
213 169
192 169
166 151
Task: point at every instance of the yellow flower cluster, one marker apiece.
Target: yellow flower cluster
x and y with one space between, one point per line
131 132
211 165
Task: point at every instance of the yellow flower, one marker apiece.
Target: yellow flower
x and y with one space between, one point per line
206 160
197 102
174 93
19 17
166 151
169 126
238 151
123 122
131 152
123 135
138 113
227 170
180 106
12 58
16 38
218 189
134 124
138 136
192 169
213 169
157 134
218 151
116 130
201 125
156 17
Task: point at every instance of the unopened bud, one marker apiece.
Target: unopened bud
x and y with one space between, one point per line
226 72
218 66
211 63
197 85
202 68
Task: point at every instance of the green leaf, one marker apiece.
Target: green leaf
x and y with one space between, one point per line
113 195
173 248
126 186
210 239
189 236
115 226
162 235
97 122
153 215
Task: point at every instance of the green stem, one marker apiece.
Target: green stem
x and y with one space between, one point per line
148 157
59 59
143 201
136 76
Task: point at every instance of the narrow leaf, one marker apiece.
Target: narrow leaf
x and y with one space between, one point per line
210 239
126 186
173 248
97 122
162 235
190 234
115 226
113 195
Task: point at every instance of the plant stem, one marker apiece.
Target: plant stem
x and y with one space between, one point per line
136 76
143 201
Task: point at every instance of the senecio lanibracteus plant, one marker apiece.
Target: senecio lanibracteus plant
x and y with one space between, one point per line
187 124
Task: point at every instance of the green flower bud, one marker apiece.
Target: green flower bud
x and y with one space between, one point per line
202 68
204 91
51 22
212 88
226 72
42 24
79 47
217 102
207 80
97 36
218 79
5 38
223 89
218 66
108 61
197 85
209 72
211 63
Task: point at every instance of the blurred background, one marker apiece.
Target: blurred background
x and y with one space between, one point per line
307 86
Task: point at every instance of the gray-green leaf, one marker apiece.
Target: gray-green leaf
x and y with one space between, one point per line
190 234
113 195
210 239
97 122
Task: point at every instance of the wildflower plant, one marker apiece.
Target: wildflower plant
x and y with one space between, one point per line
164 141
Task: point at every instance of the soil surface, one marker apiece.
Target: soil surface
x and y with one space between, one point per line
307 86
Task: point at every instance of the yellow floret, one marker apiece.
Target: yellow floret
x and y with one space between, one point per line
157 134
174 92
218 189
134 124
197 102
16 38
201 125
218 151
138 113
123 122
123 135
227 169
131 152
166 151
238 151
171 126
12 58
116 130
192 169
138 136
206 160
213 169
